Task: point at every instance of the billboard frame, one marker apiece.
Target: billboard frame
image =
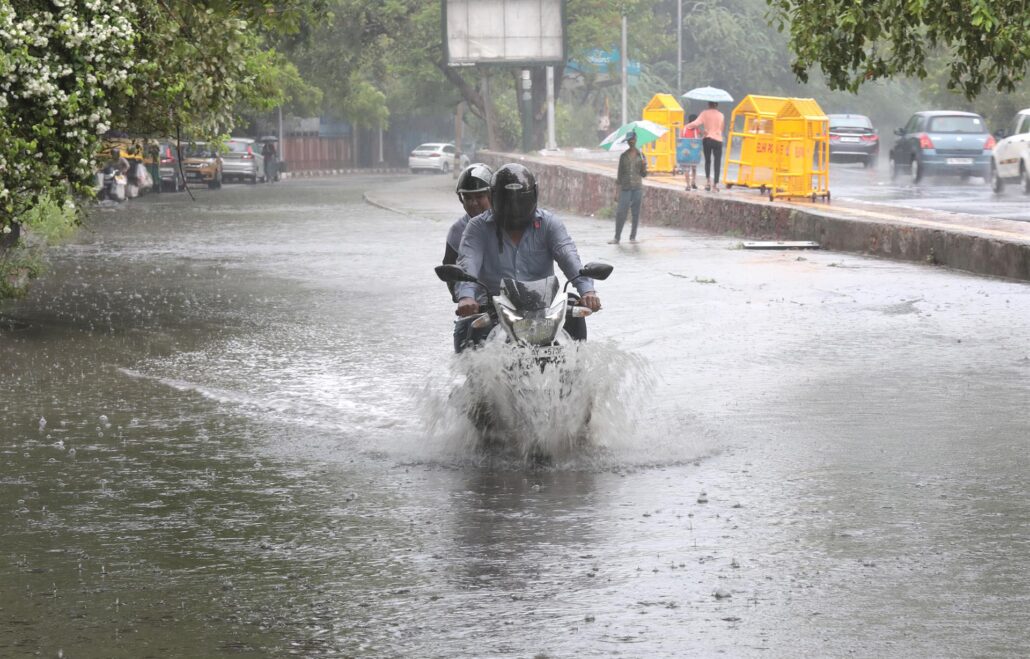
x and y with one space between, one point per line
518 64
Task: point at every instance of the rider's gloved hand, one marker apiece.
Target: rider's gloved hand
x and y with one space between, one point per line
467 306
591 301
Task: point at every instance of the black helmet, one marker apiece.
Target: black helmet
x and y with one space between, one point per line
474 178
513 196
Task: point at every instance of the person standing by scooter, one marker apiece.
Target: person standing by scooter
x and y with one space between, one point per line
516 239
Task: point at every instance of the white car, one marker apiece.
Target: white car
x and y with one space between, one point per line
436 156
1010 161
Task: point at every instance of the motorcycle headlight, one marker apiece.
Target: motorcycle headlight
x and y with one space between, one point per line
539 328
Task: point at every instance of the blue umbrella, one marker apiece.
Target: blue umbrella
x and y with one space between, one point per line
712 94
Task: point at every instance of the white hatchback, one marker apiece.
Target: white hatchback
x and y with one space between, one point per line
436 156
1010 161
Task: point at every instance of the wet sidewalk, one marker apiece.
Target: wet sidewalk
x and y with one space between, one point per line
583 182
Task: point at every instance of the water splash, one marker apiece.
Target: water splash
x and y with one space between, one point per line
501 404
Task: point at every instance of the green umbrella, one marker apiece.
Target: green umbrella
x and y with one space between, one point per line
647 132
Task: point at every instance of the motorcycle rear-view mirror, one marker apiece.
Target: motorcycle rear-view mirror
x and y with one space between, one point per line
596 270
451 273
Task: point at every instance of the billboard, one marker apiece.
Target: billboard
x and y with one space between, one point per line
522 32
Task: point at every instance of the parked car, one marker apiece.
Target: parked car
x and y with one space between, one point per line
435 156
168 166
1010 161
853 139
243 160
943 143
203 164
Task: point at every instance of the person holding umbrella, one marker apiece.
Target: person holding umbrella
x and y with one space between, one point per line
714 123
629 187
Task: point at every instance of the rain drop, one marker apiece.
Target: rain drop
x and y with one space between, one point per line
42 423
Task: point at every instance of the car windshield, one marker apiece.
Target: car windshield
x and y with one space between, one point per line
849 121
956 124
196 151
238 147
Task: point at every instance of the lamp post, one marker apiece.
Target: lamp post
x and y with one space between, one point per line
679 48
625 58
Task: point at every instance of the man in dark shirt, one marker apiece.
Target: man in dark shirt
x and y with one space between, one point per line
629 188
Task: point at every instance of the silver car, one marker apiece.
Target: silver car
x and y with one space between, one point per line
243 160
435 156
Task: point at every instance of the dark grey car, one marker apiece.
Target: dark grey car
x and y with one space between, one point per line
853 139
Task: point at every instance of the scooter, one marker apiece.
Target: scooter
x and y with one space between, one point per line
112 184
528 318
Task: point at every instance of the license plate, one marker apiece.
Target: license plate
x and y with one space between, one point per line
850 139
960 161
193 175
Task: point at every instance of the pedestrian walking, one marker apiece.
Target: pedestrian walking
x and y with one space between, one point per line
713 124
629 188
689 153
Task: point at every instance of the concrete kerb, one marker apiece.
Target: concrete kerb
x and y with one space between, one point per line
983 246
343 172
372 201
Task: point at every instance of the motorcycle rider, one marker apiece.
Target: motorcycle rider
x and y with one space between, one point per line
516 239
473 192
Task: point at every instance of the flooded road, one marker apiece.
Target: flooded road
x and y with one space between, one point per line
227 431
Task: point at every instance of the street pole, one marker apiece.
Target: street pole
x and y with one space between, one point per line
625 58
679 48
459 120
527 117
552 144
282 138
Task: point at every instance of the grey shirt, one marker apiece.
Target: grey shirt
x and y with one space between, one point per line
544 242
458 228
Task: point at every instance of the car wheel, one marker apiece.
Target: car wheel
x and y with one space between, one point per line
1024 178
916 168
414 171
870 162
446 168
997 184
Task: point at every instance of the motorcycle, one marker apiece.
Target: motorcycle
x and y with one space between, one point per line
526 397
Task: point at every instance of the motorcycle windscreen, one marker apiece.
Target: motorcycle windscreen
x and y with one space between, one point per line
530 295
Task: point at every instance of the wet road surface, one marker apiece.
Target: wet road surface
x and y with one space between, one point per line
226 431
973 196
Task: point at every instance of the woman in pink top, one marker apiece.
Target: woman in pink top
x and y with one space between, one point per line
713 123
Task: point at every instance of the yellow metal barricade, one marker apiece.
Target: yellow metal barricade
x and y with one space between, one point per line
803 151
663 109
782 146
751 147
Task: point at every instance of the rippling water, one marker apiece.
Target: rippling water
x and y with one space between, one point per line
255 444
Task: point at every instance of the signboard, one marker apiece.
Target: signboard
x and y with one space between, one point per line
598 60
526 32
